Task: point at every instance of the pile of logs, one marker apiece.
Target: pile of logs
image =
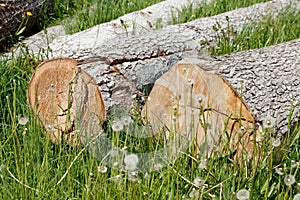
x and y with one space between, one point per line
235 91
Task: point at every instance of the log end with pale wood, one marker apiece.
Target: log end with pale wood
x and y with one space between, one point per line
198 103
63 96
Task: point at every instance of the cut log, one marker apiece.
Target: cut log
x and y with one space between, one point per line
268 79
13 17
65 97
197 104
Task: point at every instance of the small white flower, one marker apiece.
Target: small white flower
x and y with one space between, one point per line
203 163
269 122
23 120
289 180
276 142
131 162
243 194
198 182
117 126
194 193
102 169
297 196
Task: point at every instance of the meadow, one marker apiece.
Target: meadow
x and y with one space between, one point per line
31 167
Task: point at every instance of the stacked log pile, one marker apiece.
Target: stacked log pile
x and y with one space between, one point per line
262 82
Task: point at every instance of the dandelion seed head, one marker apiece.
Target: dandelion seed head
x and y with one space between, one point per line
241 131
194 193
131 162
289 180
203 163
243 194
117 126
276 142
102 169
279 170
132 176
294 163
127 120
297 196
157 166
23 120
269 122
198 182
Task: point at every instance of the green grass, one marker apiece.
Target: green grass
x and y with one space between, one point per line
212 8
81 15
31 167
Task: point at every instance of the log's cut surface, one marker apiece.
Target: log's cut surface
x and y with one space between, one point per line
198 104
65 98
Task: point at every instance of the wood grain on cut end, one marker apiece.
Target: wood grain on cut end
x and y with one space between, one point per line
53 93
186 90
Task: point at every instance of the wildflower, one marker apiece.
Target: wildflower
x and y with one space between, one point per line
132 176
23 120
28 13
243 194
289 180
194 193
193 15
102 169
117 126
297 196
131 162
276 142
269 122
279 170
203 163
198 182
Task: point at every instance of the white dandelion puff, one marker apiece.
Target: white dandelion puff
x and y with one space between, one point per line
198 182
289 180
194 193
131 162
243 194
132 176
117 126
276 142
23 120
269 122
279 170
102 169
297 196
203 163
